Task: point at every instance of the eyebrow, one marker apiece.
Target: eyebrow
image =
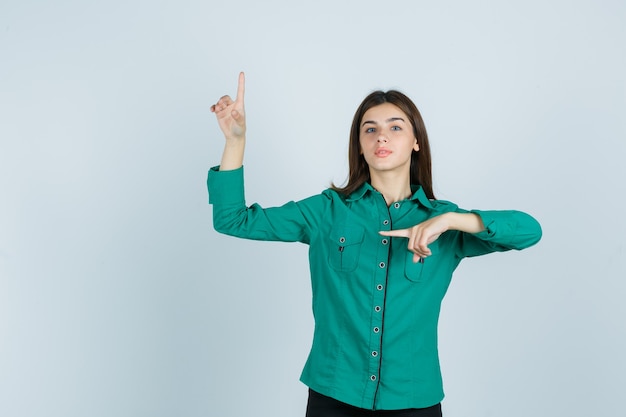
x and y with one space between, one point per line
391 119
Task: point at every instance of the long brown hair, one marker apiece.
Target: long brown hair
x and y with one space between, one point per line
421 170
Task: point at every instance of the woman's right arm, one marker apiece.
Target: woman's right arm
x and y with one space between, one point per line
291 222
231 118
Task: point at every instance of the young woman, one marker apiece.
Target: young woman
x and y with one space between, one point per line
382 251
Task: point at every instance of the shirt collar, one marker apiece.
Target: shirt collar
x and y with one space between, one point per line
418 194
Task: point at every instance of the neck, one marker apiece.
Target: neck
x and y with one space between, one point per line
392 187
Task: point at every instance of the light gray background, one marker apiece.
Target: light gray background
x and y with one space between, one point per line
117 298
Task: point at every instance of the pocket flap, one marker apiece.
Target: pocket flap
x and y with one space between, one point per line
347 236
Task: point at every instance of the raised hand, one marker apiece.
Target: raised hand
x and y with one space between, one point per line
230 114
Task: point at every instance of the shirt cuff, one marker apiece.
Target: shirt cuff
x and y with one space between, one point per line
490 220
226 187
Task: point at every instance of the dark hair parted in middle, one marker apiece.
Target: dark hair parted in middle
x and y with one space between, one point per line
421 170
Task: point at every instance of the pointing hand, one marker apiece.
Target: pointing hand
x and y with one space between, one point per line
231 114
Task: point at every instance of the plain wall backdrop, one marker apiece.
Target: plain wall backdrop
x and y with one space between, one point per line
117 297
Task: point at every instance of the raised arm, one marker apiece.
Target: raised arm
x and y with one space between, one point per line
231 118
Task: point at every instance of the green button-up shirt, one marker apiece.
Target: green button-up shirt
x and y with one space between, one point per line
375 310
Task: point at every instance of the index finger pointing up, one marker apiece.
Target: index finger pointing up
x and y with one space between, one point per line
241 87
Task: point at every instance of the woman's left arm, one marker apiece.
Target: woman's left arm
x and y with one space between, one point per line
481 232
504 230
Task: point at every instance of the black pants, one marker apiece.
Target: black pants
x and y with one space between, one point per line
322 406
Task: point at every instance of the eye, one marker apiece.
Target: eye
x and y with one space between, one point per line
396 128
370 130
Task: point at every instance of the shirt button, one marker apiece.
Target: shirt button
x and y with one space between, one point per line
385 241
397 205
382 264
342 239
374 353
376 329
377 309
379 287
385 222
373 377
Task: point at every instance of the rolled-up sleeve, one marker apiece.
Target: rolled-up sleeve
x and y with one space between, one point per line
226 187
504 230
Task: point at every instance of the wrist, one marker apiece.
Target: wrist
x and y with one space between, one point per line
450 220
235 140
232 158
464 222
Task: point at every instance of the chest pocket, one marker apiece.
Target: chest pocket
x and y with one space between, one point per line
345 248
422 270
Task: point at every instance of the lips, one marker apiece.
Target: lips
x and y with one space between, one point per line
382 152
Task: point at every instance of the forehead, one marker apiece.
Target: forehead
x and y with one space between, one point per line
383 112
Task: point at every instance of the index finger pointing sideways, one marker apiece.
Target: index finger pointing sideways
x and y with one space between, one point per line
396 233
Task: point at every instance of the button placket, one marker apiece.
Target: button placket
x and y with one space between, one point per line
379 293
377 320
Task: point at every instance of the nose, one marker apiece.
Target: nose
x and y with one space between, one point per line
382 138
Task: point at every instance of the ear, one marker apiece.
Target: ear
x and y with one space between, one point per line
416 146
